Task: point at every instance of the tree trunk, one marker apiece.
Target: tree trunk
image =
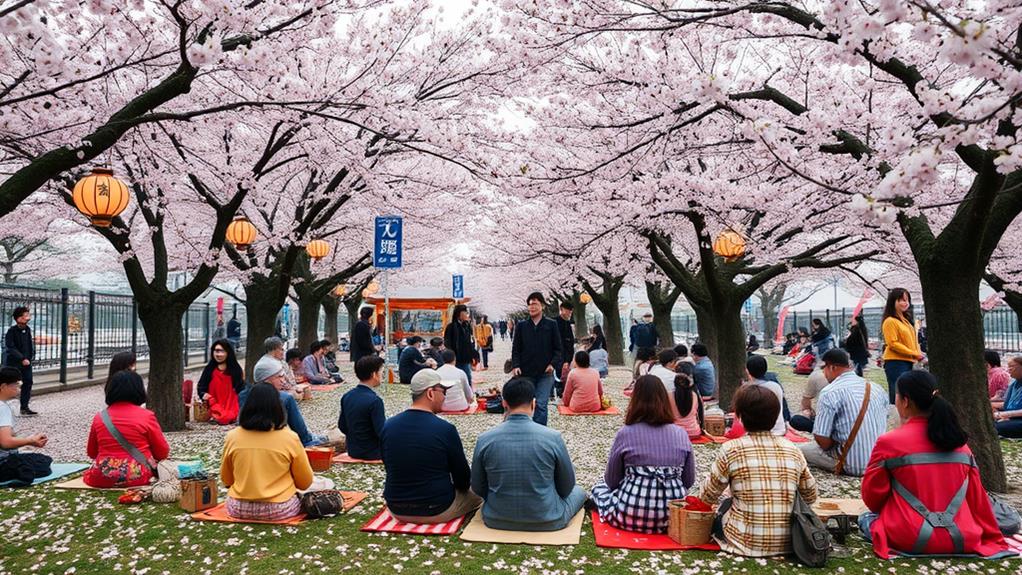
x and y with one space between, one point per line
723 333
261 308
308 318
330 307
581 321
352 305
954 324
607 304
162 323
662 297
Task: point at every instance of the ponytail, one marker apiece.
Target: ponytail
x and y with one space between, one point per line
942 428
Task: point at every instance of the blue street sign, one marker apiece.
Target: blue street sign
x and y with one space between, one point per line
459 286
387 245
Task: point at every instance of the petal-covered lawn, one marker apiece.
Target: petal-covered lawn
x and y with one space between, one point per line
45 530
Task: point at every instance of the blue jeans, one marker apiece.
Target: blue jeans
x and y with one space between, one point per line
865 521
544 385
894 368
292 414
467 368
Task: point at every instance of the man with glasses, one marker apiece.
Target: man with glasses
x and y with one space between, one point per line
428 476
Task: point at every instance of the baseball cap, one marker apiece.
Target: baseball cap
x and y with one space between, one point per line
427 378
266 368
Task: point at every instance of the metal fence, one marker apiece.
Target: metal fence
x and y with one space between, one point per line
76 329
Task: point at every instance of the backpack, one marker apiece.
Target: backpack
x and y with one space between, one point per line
1008 519
318 504
810 540
804 366
495 404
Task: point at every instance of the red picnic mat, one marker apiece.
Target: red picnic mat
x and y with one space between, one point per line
345 458
471 410
565 410
737 430
612 537
330 387
385 523
707 438
1014 543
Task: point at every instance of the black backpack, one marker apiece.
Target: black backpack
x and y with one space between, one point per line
324 503
810 540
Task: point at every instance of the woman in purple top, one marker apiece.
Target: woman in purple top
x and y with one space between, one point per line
651 463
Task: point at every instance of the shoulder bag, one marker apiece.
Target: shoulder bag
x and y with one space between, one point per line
840 466
126 445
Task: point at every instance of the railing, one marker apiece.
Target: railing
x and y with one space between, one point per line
75 330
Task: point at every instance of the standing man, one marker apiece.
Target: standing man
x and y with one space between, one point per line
704 373
536 353
21 353
458 338
502 325
362 336
567 336
234 331
645 333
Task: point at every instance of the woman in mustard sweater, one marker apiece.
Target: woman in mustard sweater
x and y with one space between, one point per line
264 463
901 349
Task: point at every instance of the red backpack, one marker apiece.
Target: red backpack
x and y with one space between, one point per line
804 366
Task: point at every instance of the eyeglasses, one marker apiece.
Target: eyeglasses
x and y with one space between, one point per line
442 389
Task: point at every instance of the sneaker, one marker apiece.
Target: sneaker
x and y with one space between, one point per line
318 440
26 412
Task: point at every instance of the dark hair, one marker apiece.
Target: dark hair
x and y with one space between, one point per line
598 330
263 410
681 349
315 346
233 367
325 342
126 385
667 356
292 354
366 366
9 375
757 366
753 340
518 392
649 403
700 350
582 358
891 308
567 305
457 311
18 312
992 358
920 387
121 361
436 341
836 356
645 354
448 356
685 388
817 322
757 407
535 296
366 313
414 340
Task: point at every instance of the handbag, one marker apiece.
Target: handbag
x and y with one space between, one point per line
810 540
847 446
324 503
126 445
495 404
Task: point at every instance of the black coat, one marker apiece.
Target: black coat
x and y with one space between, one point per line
361 341
857 344
567 338
18 345
458 338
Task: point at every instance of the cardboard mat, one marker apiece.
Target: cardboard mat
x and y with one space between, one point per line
478 531
614 538
384 522
57 470
344 458
79 483
219 513
834 507
565 410
473 409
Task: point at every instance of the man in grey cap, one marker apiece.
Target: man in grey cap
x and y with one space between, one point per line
427 472
271 370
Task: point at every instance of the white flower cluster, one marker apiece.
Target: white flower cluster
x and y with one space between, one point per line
872 211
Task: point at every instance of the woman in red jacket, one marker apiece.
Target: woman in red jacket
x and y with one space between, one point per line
221 382
922 484
125 440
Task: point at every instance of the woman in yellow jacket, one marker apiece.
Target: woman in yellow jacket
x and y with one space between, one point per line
901 348
484 338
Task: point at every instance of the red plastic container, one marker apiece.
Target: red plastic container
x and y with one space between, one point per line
320 458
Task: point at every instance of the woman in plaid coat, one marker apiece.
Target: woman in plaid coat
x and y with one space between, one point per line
651 463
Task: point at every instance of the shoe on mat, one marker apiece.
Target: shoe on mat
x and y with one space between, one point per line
26 412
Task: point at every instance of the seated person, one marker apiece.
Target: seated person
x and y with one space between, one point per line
312 366
583 392
1008 419
221 382
686 403
682 351
460 396
804 420
436 348
755 373
411 361
926 461
362 415
264 464
522 469
836 411
764 472
650 463
600 361
705 374
295 375
427 473
125 441
269 370
20 467
998 378
329 360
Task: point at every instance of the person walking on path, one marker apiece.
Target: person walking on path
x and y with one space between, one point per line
20 353
484 340
458 338
857 343
536 352
901 349
502 325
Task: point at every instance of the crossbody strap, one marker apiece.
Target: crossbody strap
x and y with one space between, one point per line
855 431
124 443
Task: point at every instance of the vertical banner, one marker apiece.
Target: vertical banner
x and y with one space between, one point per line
779 337
387 242
458 286
866 294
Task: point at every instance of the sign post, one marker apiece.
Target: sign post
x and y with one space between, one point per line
387 256
458 286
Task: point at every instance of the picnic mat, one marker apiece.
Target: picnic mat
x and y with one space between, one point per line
57 470
329 387
1014 543
795 437
707 438
478 531
834 506
384 522
219 513
345 458
565 410
79 483
471 410
614 538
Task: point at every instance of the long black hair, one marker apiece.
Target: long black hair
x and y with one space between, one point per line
920 387
263 410
685 389
233 368
891 308
860 324
120 361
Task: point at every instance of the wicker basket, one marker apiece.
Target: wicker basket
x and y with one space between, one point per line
714 424
687 527
200 411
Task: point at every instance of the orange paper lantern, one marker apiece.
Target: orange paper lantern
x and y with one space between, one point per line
241 233
100 196
585 298
317 249
729 245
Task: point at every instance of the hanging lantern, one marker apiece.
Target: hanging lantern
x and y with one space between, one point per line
340 290
585 298
317 249
100 196
373 287
729 245
241 233
365 293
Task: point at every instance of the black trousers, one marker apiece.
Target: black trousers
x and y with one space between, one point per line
23 468
26 385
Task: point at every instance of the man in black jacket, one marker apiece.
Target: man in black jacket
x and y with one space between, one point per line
20 353
567 335
458 338
362 337
536 353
